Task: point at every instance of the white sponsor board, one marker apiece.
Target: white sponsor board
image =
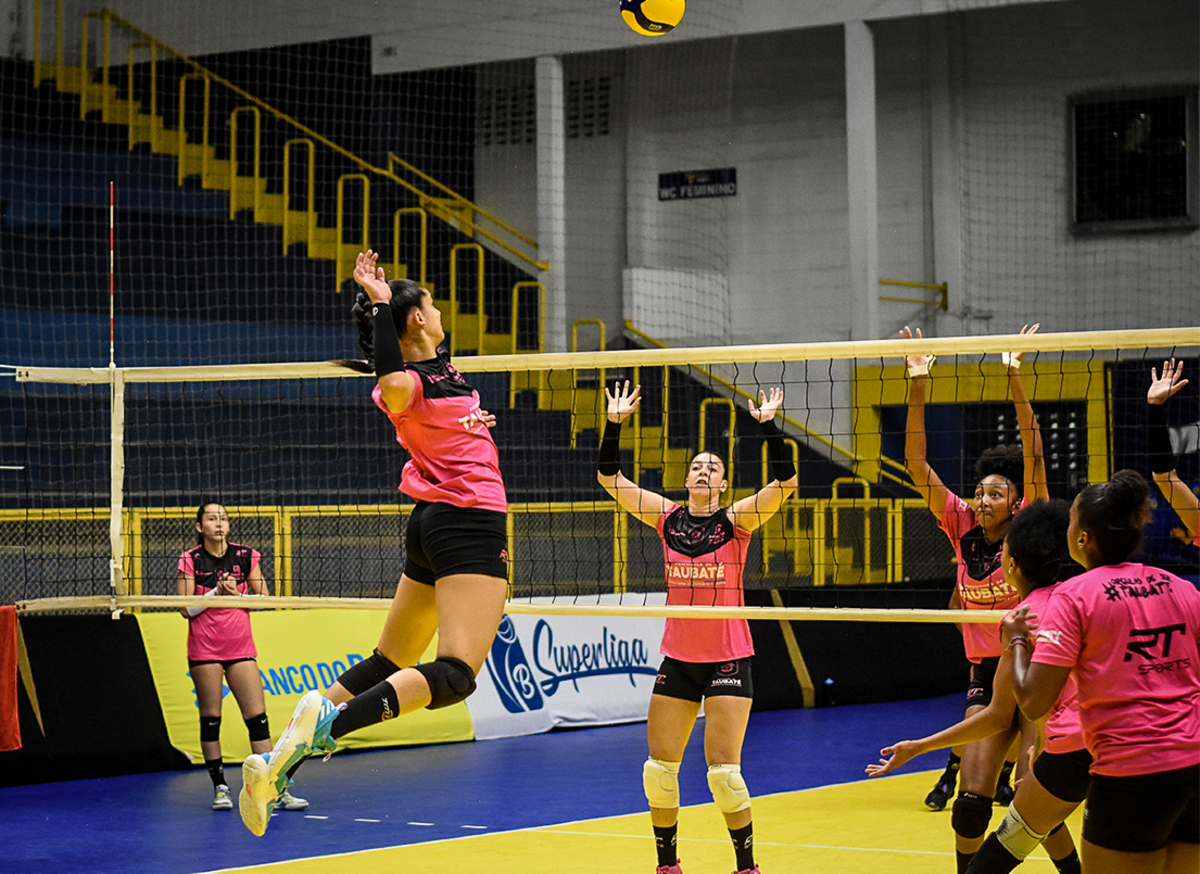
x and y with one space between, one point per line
548 671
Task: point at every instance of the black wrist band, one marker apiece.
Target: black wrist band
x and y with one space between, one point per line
1162 459
610 446
782 467
388 358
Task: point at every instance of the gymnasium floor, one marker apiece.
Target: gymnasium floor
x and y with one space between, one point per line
565 801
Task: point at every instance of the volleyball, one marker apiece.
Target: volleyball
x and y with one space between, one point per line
652 17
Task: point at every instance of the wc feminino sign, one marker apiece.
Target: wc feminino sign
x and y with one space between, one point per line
566 670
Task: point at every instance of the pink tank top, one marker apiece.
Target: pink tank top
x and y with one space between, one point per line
220 635
980 579
1131 635
1064 731
704 557
454 459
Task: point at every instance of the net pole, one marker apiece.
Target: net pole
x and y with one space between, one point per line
116 565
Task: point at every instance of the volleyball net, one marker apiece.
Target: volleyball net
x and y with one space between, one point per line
100 492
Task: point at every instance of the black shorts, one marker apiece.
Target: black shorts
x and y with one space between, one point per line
1064 775
224 664
983 677
693 681
442 540
1141 814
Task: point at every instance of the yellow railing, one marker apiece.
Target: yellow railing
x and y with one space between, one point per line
943 289
541 312
454 208
422 246
812 553
731 435
455 345
893 470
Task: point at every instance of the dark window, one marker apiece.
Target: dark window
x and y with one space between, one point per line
1133 169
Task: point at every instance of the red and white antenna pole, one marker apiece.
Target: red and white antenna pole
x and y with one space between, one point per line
111 334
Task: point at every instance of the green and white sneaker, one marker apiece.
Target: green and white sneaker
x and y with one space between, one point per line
288 801
222 800
265 777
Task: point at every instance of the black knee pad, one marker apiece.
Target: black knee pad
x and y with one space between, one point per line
450 680
258 728
970 815
210 728
368 673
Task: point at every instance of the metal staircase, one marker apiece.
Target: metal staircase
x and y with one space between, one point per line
247 187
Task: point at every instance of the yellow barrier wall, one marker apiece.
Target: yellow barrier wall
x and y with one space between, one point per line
297 650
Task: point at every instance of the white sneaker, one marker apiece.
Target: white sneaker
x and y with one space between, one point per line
295 744
222 800
288 801
258 795
264 777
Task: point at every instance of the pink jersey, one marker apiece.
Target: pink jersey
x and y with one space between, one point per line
1064 731
704 557
981 584
1131 635
220 635
454 459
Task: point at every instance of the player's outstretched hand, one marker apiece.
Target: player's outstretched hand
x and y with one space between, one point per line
898 753
369 275
915 361
1013 359
767 405
621 401
1162 387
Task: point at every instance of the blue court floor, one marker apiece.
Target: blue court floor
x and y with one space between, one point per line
161 824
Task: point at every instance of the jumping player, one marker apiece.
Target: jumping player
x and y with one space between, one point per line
455 573
220 643
1129 635
704 550
1162 460
1010 477
1034 546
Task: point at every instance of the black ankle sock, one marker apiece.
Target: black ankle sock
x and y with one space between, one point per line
371 707
664 840
964 861
1006 773
216 770
952 765
1068 864
993 858
743 846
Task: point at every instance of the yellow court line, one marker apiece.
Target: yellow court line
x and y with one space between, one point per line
864 827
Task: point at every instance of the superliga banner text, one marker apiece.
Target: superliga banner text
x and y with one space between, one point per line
548 671
541 672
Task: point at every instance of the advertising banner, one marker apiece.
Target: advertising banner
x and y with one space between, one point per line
542 672
548 671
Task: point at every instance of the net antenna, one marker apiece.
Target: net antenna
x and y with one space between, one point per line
117 441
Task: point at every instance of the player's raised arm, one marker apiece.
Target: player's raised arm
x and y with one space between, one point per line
645 505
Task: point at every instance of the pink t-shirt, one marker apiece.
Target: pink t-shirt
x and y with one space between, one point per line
220 635
1064 731
1131 634
704 557
981 584
454 459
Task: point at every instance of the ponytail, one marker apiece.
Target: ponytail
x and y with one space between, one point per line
406 296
